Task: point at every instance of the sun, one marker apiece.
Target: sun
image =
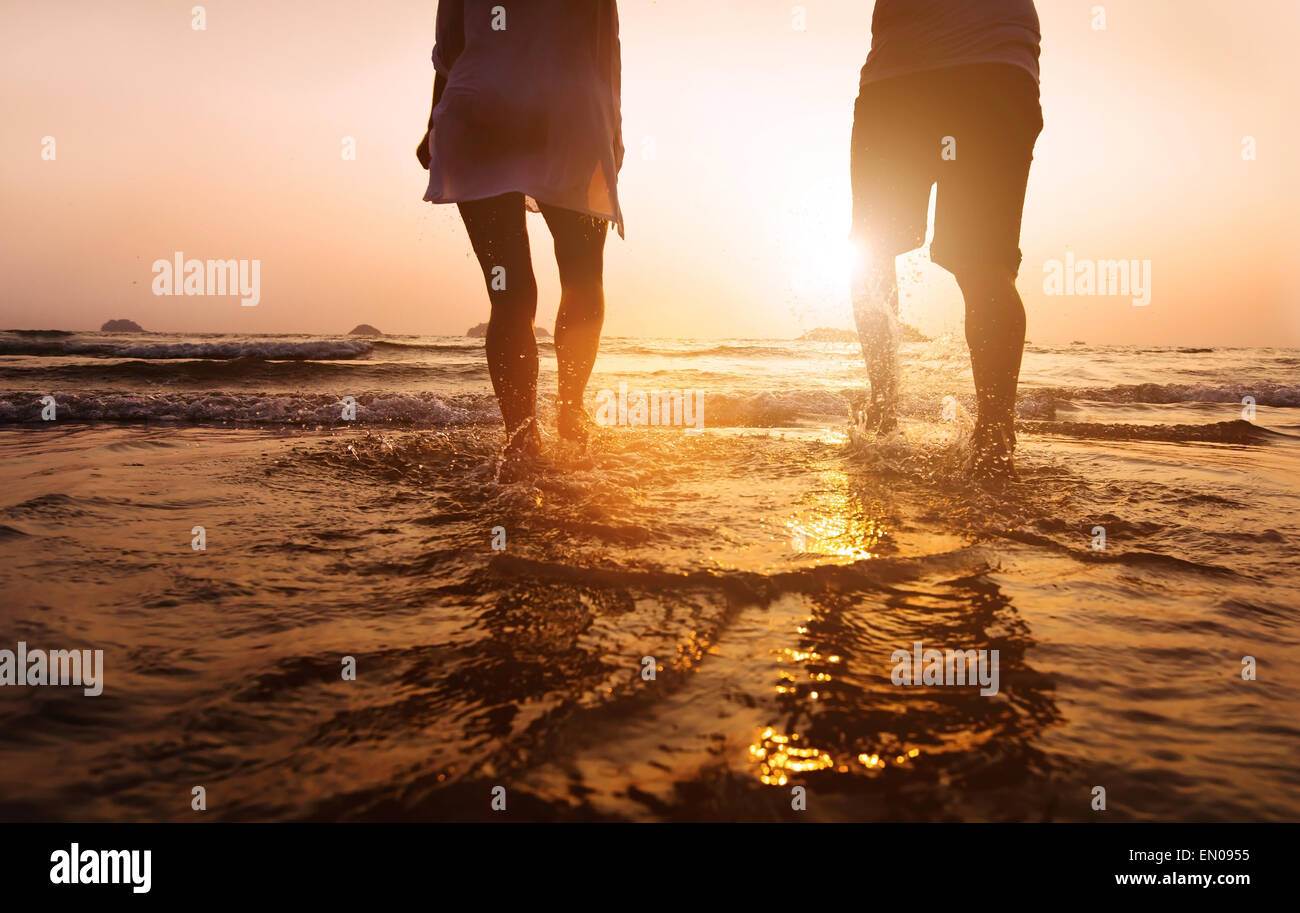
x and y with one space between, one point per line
822 267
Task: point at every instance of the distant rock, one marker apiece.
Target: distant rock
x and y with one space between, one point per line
826 334
480 332
365 329
121 326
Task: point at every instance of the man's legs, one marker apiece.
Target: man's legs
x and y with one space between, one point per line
875 310
892 166
992 113
995 332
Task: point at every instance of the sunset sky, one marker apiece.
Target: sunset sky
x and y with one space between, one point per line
226 143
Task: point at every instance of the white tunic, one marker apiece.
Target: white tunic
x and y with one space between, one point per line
908 36
531 105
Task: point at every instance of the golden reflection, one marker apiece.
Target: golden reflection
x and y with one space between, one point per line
778 756
873 761
837 524
690 653
803 656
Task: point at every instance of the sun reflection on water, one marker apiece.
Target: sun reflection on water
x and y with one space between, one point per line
780 756
837 524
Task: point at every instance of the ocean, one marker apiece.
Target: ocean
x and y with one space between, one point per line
683 621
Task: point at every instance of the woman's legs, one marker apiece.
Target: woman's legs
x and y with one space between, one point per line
500 240
580 254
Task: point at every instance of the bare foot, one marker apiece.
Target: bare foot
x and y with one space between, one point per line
879 416
515 468
522 451
525 440
575 424
888 421
992 453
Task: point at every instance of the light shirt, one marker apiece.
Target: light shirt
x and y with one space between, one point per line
908 36
531 105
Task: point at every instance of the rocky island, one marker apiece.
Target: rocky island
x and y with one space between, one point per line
121 326
480 332
827 334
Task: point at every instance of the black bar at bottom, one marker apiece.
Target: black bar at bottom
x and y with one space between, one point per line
875 862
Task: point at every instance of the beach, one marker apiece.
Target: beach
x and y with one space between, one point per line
682 622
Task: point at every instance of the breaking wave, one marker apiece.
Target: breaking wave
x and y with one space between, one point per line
319 350
1263 393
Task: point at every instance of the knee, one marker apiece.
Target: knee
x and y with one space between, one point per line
514 307
510 278
583 298
986 282
512 317
990 291
511 287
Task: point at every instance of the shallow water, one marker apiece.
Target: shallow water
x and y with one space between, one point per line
770 566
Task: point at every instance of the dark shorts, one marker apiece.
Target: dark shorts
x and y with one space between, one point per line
901 128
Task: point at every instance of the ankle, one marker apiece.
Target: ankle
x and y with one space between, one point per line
524 439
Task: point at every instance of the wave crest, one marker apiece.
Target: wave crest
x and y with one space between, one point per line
316 350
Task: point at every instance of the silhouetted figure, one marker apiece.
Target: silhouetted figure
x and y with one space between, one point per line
526 114
949 94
